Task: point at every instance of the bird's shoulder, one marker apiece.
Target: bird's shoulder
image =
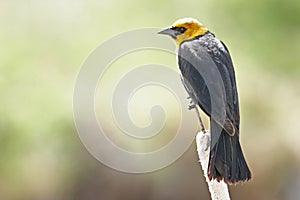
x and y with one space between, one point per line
202 49
206 42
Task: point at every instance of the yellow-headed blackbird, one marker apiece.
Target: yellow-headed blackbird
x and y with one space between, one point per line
202 58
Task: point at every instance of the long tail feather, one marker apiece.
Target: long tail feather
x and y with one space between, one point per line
227 161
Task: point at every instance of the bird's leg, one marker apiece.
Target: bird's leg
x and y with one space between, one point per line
191 106
200 119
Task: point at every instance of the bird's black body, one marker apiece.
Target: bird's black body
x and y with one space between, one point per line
209 78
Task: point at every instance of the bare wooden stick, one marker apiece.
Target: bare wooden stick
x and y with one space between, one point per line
218 190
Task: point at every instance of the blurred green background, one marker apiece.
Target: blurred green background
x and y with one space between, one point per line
43 44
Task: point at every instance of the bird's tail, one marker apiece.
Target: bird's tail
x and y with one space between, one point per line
226 160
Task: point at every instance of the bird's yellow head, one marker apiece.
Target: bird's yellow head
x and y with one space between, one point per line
184 29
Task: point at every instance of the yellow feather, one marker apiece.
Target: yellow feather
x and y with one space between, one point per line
193 29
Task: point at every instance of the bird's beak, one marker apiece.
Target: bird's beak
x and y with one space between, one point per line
168 31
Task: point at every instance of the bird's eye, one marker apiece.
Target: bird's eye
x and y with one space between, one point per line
179 30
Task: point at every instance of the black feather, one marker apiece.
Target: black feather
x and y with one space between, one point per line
209 78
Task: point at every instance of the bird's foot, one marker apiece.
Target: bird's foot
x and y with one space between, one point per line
191 105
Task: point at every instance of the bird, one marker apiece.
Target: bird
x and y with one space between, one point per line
208 76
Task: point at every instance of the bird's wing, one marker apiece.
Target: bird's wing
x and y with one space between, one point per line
233 100
210 81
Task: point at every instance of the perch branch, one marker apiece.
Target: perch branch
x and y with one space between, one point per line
218 190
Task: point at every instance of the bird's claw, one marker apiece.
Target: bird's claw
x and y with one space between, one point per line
191 105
